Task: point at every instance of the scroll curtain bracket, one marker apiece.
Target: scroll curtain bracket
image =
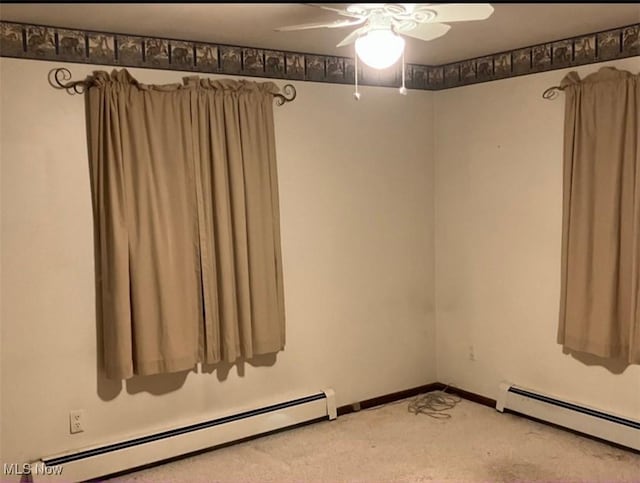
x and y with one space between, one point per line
552 92
288 94
60 78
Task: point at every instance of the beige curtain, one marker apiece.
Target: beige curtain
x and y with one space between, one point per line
599 308
185 197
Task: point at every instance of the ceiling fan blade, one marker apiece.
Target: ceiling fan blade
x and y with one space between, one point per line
427 31
317 25
461 12
339 11
353 36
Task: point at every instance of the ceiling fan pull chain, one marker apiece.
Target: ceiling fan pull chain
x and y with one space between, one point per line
356 94
403 89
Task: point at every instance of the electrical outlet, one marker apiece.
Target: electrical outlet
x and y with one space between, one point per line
472 353
76 421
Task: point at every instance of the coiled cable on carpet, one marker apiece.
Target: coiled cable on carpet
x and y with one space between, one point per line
433 404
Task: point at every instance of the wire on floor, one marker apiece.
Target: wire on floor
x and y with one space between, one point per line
434 404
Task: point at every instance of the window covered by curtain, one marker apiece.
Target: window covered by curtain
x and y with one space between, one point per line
600 298
185 196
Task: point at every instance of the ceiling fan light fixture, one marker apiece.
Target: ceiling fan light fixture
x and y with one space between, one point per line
380 48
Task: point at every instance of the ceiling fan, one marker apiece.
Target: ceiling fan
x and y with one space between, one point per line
379 41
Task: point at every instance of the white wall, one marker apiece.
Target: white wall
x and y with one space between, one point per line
357 205
498 234
356 193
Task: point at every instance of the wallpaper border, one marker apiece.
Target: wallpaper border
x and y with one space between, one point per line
44 42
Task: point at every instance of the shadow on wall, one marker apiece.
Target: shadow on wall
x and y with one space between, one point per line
159 384
223 368
614 366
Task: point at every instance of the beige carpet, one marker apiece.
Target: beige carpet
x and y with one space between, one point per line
390 444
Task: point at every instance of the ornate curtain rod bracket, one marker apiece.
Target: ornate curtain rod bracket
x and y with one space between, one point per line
60 78
289 94
552 92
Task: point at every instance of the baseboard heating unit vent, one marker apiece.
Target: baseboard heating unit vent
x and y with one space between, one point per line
124 455
609 427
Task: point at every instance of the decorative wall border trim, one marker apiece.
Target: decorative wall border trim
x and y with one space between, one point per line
43 42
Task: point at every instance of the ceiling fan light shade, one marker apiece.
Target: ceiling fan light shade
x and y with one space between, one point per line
380 48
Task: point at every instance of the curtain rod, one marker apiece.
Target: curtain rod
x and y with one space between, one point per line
552 92
60 78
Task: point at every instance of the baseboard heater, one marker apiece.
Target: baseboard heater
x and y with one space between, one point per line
586 420
112 458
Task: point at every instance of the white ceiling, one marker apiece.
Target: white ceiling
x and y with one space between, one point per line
511 25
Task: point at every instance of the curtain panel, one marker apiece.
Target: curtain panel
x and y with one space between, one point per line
186 211
599 306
